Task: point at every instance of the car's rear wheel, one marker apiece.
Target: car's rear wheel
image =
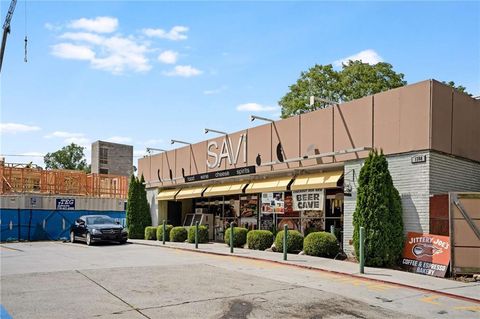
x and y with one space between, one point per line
89 239
123 241
72 237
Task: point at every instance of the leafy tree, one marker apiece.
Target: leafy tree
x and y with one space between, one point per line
69 157
138 212
379 210
457 87
355 80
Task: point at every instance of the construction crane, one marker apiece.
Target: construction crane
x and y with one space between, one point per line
6 29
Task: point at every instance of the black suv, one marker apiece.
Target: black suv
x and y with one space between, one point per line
95 228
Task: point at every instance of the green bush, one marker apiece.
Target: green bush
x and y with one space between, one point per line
168 228
151 232
320 244
379 210
239 236
202 234
138 211
259 239
294 241
178 234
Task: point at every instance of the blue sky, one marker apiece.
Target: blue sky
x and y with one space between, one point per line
145 72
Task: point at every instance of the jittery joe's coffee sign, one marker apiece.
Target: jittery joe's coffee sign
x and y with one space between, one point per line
426 254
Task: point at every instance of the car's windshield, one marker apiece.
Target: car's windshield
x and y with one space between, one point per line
98 220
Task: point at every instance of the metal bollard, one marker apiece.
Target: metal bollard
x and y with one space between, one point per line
164 231
332 230
231 237
362 250
285 241
196 234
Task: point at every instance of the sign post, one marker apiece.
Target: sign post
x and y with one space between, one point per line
285 241
164 231
362 250
231 237
196 234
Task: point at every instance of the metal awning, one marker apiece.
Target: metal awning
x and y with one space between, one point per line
225 189
268 185
192 192
167 194
317 181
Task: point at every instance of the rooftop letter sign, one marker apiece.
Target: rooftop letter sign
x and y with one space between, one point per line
227 151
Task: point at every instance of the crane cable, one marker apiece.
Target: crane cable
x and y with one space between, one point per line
26 40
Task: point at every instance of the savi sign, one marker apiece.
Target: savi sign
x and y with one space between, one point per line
228 151
221 174
426 254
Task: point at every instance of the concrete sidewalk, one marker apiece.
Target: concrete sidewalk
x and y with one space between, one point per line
469 291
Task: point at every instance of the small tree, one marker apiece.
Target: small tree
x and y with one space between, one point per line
379 210
138 212
68 157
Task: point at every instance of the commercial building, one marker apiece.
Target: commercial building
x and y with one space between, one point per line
303 171
112 158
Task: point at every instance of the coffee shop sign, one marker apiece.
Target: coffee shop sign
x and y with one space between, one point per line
228 151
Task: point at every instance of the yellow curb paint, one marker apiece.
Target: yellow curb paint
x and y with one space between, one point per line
469 308
430 299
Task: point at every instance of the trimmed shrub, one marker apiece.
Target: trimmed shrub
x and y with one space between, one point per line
294 241
320 244
151 232
178 234
239 236
379 210
202 234
259 239
168 228
138 211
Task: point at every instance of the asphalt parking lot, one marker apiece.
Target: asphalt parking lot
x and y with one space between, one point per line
63 280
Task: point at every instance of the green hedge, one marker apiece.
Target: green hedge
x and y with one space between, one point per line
294 241
321 244
239 236
151 233
178 234
168 228
259 239
202 234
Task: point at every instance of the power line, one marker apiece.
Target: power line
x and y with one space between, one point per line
26 155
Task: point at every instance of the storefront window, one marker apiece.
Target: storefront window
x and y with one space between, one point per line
249 211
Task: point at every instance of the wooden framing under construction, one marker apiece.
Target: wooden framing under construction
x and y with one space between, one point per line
25 179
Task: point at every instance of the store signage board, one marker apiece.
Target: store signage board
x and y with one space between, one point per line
65 203
426 254
221 174
419 159
227 151
309 199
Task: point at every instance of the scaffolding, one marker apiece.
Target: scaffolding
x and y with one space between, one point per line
27 178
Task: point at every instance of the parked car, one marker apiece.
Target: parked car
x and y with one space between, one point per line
96 228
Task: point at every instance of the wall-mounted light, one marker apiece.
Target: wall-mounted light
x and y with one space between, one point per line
314 98
180 142
208 130
150 149
255 117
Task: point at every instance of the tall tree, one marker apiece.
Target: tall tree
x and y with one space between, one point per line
457 87
379 210
138 212
68 157
355 80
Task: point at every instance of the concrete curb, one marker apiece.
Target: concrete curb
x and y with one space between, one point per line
446 294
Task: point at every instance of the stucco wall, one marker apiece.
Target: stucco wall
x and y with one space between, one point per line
411 181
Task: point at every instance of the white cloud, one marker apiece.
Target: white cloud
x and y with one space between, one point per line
168 57
62 134
82 141
366 56
119 139
255 107
184 71
13 128
176 33
115 54
139 153
215 91
99 24
72 51
52 27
